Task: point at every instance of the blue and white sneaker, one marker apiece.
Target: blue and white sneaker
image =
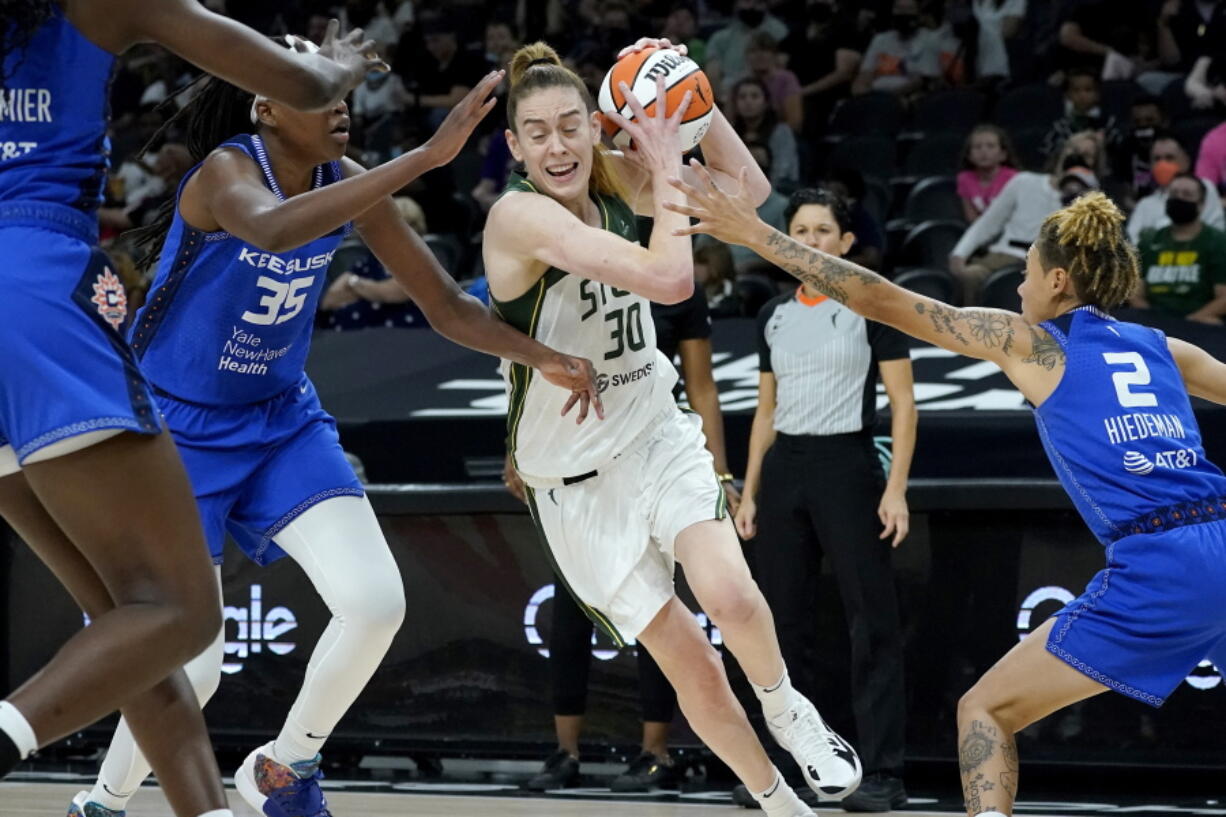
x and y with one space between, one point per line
82 806
277 790
831 767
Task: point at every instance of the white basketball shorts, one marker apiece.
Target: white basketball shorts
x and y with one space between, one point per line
611 536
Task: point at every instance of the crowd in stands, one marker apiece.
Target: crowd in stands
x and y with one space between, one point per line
953 127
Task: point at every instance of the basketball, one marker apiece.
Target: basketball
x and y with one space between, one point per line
639 71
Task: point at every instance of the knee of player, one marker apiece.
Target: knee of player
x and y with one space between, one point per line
733 603
198 628
705 673
376 609
981 702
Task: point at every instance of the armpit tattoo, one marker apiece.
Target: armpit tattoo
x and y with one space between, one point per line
1045 350
825 273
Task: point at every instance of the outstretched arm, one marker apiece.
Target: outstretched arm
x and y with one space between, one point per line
461 318
1203 374
989 334
230 192
238 54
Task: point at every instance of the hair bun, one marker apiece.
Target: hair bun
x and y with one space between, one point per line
1091 221
529 57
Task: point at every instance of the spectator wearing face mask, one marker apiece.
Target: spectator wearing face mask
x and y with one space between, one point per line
1183 265
901 59
1169 159
726 62
1132 159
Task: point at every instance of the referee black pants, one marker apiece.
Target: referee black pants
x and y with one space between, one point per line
570 659
819 496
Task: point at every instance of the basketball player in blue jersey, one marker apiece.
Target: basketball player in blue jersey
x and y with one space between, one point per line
1112 408
223 339
88 477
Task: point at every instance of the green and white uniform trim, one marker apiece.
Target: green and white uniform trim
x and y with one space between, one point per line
647 473
610 327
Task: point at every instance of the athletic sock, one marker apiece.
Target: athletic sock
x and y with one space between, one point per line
19 733
779 800
776 698
221 812
991 814
296 744
104 796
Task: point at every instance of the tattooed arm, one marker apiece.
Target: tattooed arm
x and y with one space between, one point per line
1029 356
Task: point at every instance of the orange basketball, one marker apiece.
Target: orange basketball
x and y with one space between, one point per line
640 71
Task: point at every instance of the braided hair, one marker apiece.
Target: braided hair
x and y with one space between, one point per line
1087 239
19 19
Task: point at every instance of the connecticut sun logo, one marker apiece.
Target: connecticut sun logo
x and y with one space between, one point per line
110 298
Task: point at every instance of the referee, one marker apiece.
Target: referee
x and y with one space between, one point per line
814 486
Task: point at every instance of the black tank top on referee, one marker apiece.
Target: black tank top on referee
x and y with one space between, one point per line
824 358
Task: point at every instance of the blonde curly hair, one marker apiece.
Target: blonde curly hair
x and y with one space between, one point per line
1087 239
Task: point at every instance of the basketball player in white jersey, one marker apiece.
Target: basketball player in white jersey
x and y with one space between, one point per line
617 502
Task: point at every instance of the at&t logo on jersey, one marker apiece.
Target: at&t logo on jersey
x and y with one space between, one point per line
110 298
1137 463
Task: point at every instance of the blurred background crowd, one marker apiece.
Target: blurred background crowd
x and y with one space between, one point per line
951 126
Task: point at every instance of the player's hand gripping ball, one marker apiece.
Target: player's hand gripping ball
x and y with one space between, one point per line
639 70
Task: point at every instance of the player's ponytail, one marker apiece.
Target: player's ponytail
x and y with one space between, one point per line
536 67
1087 239
19 19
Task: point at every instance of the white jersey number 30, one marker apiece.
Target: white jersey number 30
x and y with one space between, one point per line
283 301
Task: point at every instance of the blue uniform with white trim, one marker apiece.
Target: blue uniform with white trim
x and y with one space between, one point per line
67 370
1121 435
223 338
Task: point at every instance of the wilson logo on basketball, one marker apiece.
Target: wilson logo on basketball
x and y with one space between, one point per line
110 298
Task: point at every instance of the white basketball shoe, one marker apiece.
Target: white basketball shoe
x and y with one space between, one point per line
830 766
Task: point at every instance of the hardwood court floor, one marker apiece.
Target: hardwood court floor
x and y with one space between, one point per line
51 799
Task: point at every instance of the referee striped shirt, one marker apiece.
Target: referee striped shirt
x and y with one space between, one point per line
824 358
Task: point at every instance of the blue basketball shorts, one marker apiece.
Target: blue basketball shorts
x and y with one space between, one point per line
255 468
67 371
1156 611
